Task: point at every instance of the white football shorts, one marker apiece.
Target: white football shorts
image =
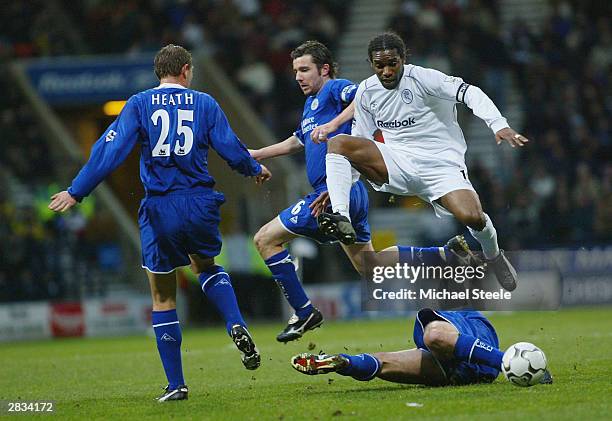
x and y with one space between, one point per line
426 177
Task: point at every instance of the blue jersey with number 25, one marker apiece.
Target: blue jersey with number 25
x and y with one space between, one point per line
175 128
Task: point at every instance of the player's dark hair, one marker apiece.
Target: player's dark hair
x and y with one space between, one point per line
387 41
320 55
169 61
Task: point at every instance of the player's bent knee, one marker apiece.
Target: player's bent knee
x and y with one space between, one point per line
262 239
478 221
338 144
473 219
437 336
258 239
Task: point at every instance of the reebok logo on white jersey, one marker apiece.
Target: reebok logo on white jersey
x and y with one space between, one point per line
396 124
167 338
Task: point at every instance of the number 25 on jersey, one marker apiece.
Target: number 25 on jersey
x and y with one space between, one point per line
162 149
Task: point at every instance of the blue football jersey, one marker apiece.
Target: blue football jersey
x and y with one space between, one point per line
319 109
175 128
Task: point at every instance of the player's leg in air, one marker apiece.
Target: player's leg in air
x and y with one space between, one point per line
454 348
345 152
203 243
455 252
465 206
217 286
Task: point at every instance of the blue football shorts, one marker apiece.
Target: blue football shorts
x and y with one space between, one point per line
176 225
466 322
298 220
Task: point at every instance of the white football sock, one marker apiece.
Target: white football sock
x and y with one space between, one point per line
339 181
487 239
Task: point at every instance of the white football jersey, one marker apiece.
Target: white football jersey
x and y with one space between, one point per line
420 115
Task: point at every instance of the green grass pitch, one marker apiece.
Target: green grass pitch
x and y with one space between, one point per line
118 378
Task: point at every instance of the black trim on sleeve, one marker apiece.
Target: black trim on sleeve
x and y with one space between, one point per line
461 91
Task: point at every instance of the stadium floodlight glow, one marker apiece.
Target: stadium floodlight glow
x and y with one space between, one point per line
113 107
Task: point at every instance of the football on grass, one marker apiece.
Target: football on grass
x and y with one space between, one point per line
524 364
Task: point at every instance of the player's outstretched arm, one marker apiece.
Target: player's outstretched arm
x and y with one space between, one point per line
483 107
109 151
287 147
456 90
62 201
319 134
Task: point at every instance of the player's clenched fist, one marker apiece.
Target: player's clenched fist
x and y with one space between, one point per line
319 134
62 201
263 176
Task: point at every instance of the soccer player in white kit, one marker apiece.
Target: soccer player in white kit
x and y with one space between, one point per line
423 150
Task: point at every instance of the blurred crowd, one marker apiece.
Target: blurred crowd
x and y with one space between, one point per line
42 255
560 193
249 39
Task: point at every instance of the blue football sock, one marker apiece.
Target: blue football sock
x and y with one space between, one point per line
217 286
283 270
473 350
169 338
362 367
429 256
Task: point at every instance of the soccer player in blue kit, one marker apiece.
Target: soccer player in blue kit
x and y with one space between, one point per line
328 110
452 348
327 97
179 216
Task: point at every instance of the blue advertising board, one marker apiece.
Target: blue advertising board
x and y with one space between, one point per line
90 80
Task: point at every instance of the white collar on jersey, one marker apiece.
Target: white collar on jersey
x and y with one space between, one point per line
170 85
